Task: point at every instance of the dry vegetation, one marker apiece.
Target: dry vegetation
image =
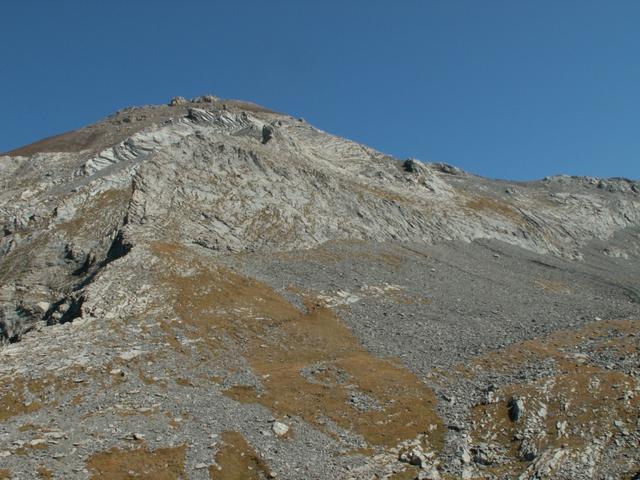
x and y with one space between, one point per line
580 398
45 473
19 396
281 342
139 463
486 204
73 141
552 286
91 215
237 460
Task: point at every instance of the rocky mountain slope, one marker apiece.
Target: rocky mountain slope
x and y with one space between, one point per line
210 289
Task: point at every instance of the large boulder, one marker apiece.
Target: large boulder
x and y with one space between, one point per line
175 101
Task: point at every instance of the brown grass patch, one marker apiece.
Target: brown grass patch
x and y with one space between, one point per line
552 286
588 398
269 226
184 382
554 346
326 254
29 427
73 141
237 460
12 401
139 463
240 105
384 194
85 221
40 392
45 473
27 447
5 474
23 258
288 349
585 401
410 473
486 204
403 298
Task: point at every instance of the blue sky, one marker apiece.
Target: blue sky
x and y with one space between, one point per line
510 89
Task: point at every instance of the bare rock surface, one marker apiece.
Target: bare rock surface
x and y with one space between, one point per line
210 289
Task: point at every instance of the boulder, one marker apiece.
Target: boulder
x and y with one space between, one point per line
280 428
267 133
516 408
412 165
175 101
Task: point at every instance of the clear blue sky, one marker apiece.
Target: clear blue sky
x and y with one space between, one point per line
512 89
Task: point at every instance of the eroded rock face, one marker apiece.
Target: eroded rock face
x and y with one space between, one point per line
181 276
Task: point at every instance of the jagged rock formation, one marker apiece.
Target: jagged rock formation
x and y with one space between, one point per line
201 246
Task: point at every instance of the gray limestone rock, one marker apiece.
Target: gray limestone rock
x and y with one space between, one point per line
177 101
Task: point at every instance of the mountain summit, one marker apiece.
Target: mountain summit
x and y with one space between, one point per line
211 289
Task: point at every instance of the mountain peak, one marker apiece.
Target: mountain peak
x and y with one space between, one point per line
212 269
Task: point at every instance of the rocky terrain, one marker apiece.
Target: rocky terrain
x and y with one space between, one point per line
213 290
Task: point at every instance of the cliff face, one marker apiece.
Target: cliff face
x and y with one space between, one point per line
238 265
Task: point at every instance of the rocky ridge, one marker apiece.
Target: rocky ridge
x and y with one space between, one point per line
158 270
